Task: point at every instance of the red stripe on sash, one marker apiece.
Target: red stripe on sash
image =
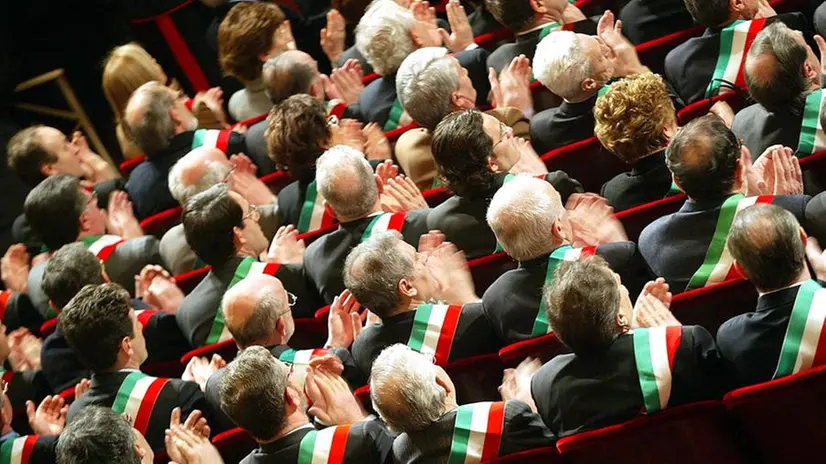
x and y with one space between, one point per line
445 342
180 50
820 352
190 102
493 437
566 27
222 143
107 251
673 335
271 269
396 222
145 315
28 448
319 352
148 404
588 251
755 27
327 219
339 444
4 301
338 110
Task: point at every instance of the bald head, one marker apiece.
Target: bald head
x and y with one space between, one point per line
776 68
345 179
199 170
290 73
252 310
526 216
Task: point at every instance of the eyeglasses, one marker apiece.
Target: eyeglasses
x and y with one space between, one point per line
291 299
254 213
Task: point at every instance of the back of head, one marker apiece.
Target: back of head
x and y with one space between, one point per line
288 74
425 82
774 68
297 135
196 172
97 434
95 322
373 270
26 154
245 34
147 120
209 219
126 68
703 157
522 215
67 271
709 13
765 241
631 118
253 390
53 210
561 64
513 14
251 310
383 36
404 391
461 149
582 302
345 179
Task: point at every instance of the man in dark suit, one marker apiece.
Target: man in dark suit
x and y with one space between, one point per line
604 381
476 154
434 428
687 248
346 182
222 228
46 424
644 20
533 228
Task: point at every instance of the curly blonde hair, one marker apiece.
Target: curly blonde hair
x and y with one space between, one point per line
244 35
632 116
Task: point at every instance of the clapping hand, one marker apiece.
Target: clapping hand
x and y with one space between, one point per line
158 288
425 29
347 82
405 194
188 443
120 217
96 169
626 60
199 369
592 221
512 87
214 100
333 402
376 145
333 36
343 321
14 267
243 181
779 171
25 350
817 258
82 387
449 267
516 383
462 34
286 248
650 311
50 416
348 132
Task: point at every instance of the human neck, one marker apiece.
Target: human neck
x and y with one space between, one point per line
375 209
802 277
542 20
585 95
555 243
294 421
128 364
245 252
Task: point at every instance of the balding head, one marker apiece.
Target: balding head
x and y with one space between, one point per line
291 73
522 213
199 170
154 114
346 181
257 312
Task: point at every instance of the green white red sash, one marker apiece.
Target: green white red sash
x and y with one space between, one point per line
735 41
300 357
477 433
812 137
509 177
804 345
314 215
383 223
434 327
717 266
563 253
654 351
335 108
674 189
102 245
324 446
398 117
5 295
136 398
248 266
211 138
550 27
18 450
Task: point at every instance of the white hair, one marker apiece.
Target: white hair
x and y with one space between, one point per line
345 179
383 36
522 214
213 174
404 391
424 84
560 64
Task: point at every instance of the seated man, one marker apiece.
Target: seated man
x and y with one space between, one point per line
349 187
605 380
781 336
46 423
635 119
417 399
21 374
533 228
261 396
98 434
222 228
476 154
707 162
158 121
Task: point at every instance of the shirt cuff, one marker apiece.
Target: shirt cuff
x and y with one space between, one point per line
472 46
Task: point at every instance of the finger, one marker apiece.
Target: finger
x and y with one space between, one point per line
813 251
175 417
193 419
821 45
30 410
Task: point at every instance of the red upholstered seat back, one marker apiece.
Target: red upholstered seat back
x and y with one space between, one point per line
158 224
635 219
226 349
548 455
191 279
234 444
711 306
486 269
586 161
544 348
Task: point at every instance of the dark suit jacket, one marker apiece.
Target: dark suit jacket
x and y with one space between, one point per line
525 44
675 246
463 220
563 125
645 20
522 429
649 180
324 258
60 364
44 450
257 148
578 393
512 302
19 311
26 386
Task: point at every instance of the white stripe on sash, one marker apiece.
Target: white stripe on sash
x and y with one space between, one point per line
811 332
438 313
103 242
573 254
323 445
658 347
723 266
478 432
738 45
133 405
211 138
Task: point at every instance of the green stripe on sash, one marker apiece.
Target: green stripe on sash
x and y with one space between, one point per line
306 217
794 331
198 138
122 397
718 242
461 435
540 324
726 43
809 124
417 334
395 117
645 370
306 448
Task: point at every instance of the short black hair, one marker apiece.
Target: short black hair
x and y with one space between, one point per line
95 322
97 434
513 14
26 155
53 210
703 157
461 149
209 218
68 270
786 87
709 13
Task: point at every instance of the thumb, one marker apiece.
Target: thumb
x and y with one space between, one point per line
320 414
813 250
821 43
30 410
445 35
355 318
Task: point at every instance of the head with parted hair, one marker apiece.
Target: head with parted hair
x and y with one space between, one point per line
67 271
154 114
247 37
573 66
385 36
99 434
297 135
346 181
292 73
634 118
767 244
126 68
27 155
256 310
462 149
197 171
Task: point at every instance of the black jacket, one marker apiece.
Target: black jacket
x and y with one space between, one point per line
649 180
563 125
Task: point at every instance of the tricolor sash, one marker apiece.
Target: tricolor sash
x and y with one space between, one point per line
398 117
17 450
477 432
812 137
324 446
550 27
300 357
136 398
803 345
211 138
383 223
314 215
563 253
247 266
434 327
654 351
102 246
717 266
735 41
509 177
674 189
335 108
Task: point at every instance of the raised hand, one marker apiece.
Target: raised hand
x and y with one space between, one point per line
649 311
96 169
462 34
659 290
448 265
14 267
82 387
284 37
333 402
376 146
764 10
286 248
387 170
120 217
405 193
430 242
50 416
817 258
185 446
512 87
199 369
158 289
348 132
592 221
821 47
243 181
214 100
195 422
779 172
626 60
348 82
529 161
516 383
333 36
425 29
343 321
25 350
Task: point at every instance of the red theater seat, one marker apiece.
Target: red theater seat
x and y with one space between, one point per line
486 269
586 161
48 328
159 224
476 378
436 196
227 349
234 445
635 219
129 165
548 455
191 279
544 348
276 180
711 306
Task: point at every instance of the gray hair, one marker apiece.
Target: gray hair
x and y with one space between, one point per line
213 174
260 324
97 434
560 64
373 270
424 84
404 391
286 75
522 214
147 120
345 179
383 36
782 84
